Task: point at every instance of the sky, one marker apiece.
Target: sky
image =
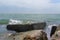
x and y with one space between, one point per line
30 6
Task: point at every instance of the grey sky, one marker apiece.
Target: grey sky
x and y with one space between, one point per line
29 6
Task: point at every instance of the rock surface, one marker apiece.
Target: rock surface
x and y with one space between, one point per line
54 28
29 35
26 27
20 28
37 35
56 36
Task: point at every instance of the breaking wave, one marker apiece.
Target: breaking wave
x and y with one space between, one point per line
13 21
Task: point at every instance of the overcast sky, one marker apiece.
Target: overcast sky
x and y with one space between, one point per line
30 6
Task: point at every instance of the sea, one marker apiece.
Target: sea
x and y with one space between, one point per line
5 17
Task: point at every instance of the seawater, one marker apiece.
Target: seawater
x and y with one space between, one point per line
48 18
54 18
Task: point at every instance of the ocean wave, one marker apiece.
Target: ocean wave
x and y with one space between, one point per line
12 21
16 21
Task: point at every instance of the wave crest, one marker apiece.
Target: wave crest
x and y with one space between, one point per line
12 21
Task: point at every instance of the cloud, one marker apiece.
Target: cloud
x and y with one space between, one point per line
26 3
41 6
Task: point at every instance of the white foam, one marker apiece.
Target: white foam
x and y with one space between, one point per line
48 30
11 21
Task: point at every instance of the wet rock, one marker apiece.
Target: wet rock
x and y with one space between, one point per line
38 26
26 27
37 35
54 28
56 35
19 28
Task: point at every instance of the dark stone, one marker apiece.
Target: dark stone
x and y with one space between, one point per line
38 26
26 27
19 28
53 30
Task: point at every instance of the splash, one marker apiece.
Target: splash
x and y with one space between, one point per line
48 30
12 21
